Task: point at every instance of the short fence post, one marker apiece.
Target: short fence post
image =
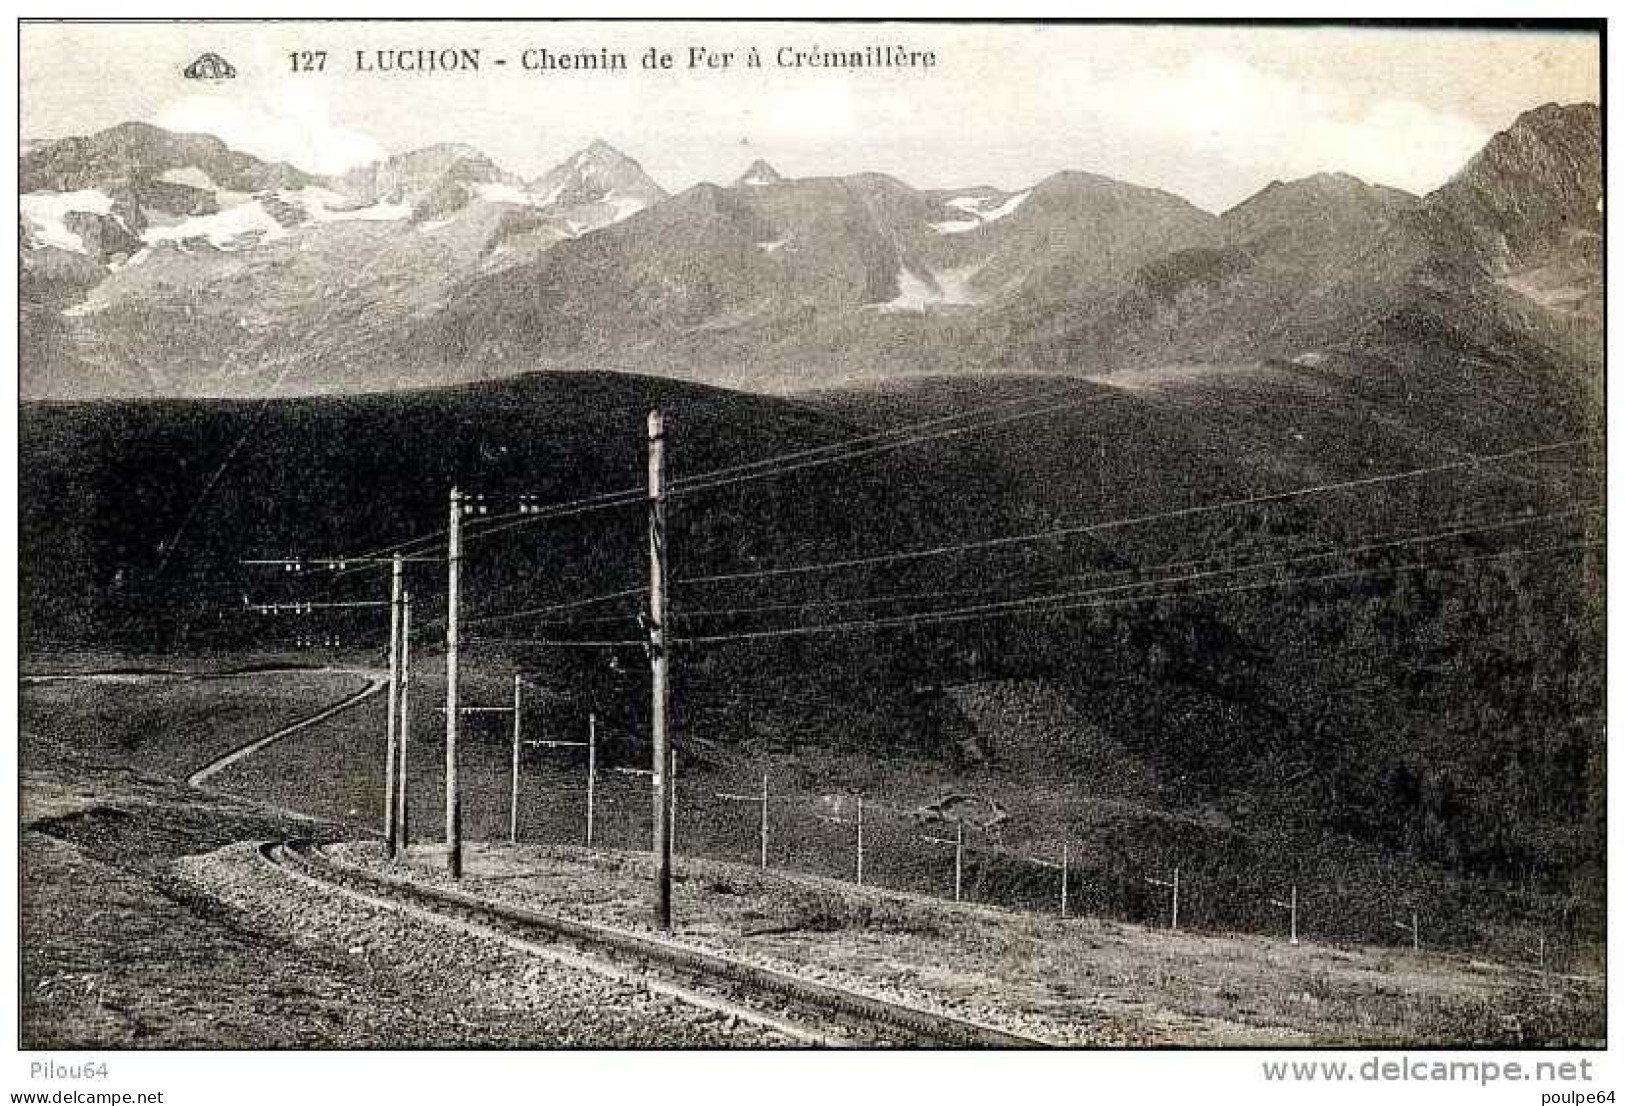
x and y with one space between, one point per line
959 859
860 841
592 770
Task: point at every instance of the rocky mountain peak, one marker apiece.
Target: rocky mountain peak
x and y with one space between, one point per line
1533 187
758 175
598 173
1313 203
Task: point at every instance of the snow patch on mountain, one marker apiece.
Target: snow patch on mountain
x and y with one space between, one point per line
497 192
625 206
234 228
979 211
945 288
191 176
46 214
323 205
759 175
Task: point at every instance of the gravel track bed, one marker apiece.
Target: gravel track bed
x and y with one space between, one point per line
612 890
479 992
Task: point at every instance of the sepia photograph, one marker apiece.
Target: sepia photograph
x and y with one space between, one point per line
640 535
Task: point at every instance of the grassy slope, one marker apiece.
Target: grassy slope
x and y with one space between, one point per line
171 726
1378 729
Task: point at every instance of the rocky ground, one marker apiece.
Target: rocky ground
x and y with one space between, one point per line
148 922
1079 981
132 939
474 991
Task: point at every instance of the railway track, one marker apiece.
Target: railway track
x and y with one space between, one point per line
811 1012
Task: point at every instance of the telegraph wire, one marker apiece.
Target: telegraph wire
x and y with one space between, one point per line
768 468
1373 544
1133 520
988 612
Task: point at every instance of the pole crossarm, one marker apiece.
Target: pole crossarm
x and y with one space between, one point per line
307 608
333 564
1173 884
1291 906
1064 866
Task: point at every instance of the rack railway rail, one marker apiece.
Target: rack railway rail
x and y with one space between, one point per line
813 1013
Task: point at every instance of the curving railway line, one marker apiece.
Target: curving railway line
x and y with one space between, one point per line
815 1014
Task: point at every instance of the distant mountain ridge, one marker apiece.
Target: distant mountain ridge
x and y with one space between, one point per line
162 264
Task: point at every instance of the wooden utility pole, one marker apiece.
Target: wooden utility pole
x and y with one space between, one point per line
671 792
592 770
764 820
1173 922
513 788
1539 953
660 692
403 728
1066 874
959 860
454 807
539 743
958 842
761 799
391 754
856 822
860 840
1062 867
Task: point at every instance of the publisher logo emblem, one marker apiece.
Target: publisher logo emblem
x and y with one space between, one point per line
209 67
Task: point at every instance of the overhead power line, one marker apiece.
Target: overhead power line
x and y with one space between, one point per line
781 465
552 608
1135 520
560 642
987 612
890 432
1370 545
1390 538
698 485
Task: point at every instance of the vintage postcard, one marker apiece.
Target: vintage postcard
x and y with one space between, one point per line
756 535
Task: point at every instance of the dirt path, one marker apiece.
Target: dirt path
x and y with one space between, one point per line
376 683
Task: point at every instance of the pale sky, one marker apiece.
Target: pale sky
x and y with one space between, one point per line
1210 113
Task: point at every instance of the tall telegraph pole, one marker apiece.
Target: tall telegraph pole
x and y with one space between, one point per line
454 809
660 691
513 779
391 822
403 728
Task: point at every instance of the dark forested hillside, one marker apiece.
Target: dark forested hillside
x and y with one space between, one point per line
1303 606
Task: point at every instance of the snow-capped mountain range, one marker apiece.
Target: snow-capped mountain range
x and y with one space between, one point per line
120 194
155 263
